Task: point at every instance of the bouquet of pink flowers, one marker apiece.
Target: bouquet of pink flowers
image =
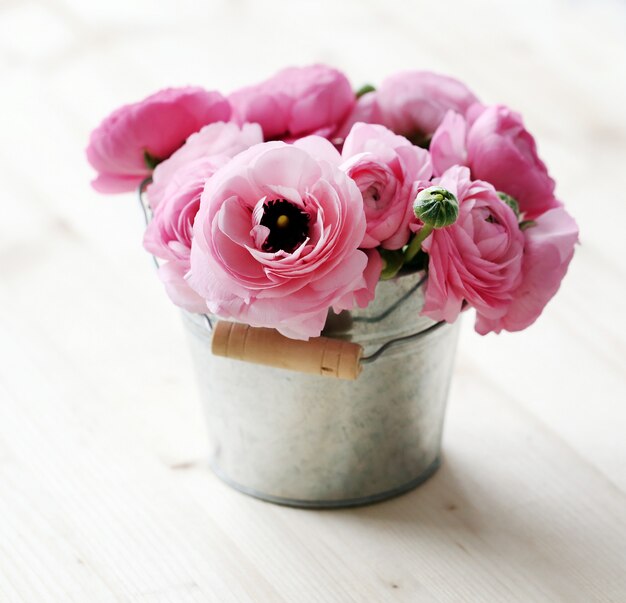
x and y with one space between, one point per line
293 196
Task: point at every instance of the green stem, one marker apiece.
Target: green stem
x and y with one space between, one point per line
150 160
416 243
365 89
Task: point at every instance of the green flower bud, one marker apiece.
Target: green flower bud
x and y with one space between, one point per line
510 201
436 207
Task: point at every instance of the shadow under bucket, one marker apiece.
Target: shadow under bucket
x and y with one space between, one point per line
317 442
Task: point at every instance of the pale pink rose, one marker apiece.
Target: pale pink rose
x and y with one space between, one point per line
169 233
172 275
320 149
217 139
363 295
385 167
371 274
496 146
365 110
413 103
174 197
478 259
157 125
276 240
548 250
296 102
448 145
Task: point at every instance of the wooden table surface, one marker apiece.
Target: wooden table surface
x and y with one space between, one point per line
105 494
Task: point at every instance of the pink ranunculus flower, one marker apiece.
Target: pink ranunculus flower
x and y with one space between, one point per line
548 250
276 240
413 103
385 167
365 110
157 125
321 150
296 102
478 259
169 233
216 139
496 146
371 276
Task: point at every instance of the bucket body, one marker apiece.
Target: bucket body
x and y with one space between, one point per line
311 441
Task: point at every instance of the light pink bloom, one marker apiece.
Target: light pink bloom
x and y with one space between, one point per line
413 103
296 102
365 110
496 146
158 125
548 250
169 233
478 259
172 275
371 275
217 139
385 167
448 146
276 240
319 148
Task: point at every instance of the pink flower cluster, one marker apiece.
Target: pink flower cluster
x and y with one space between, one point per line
278 202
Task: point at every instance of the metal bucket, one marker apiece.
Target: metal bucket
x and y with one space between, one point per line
310 441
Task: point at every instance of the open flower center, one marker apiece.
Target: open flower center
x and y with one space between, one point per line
372 194
287 223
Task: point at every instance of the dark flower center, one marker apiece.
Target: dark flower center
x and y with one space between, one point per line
288 224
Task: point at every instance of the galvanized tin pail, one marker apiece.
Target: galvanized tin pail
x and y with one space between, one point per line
311 441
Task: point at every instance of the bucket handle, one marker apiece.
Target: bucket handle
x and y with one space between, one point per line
323 356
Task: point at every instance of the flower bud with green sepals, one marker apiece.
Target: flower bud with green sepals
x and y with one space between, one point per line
510 201
436 207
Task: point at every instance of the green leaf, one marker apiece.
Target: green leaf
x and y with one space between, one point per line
150 160
527 224
365 89
393 261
